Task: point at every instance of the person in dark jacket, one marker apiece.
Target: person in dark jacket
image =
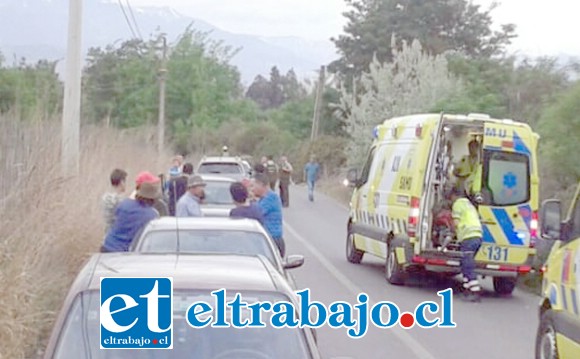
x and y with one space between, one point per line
244 209
177 187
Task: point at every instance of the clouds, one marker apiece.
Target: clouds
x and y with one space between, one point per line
544 27
312 19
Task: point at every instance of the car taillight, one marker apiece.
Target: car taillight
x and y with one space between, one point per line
413 217
534 229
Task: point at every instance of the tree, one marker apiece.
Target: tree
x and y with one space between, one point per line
202 88
276 88
292 89
259 92
506 87
30 90
413 82
440 25
276 91
558 128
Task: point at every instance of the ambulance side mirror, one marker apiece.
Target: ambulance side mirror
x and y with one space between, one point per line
551 219
352 178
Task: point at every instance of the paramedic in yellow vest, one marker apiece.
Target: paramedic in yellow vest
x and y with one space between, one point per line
469 233
469 172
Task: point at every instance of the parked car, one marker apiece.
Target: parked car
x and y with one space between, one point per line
76 333
558 334
226 166
213 235
218 200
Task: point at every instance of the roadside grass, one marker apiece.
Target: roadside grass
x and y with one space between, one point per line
49 225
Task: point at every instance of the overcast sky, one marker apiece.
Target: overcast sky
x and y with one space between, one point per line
543 26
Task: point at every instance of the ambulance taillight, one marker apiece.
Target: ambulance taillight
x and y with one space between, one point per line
413 217
533 229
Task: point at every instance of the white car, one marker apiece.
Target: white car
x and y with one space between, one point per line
225 166
200 235
218 201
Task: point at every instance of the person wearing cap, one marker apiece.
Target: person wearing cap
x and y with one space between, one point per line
225 151
244 209
189 205
271 206
159 205
468 230
131 216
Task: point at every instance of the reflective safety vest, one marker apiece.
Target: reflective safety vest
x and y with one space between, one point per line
466 218
469 172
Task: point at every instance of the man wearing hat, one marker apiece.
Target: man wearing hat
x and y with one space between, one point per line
189 205
159 204
131 216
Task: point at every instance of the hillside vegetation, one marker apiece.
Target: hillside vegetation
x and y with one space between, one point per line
50 224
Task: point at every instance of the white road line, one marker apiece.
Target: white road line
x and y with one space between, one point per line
414 345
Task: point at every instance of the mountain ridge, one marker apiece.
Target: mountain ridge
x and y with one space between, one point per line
37 29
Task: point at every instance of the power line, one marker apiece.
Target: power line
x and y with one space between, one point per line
127 18
134 20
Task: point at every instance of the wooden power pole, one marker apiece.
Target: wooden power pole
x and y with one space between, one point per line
318 104
70 143
162 79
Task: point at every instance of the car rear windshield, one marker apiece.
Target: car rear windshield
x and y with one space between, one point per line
80 335
220 168
507 177
218 193
207 241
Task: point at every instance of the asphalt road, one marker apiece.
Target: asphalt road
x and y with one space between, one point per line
498 327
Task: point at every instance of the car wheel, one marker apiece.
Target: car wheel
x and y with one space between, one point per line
546 346
353 255
503 285
394 273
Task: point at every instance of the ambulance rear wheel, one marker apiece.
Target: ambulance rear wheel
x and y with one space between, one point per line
353 255
394 273
503 285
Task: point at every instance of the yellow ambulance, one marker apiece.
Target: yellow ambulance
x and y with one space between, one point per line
401 188
558 333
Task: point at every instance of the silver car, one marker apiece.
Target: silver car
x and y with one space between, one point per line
214 235
76 332
225 166
218 201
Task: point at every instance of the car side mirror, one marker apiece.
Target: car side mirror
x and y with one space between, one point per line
294 261
551 219
352 177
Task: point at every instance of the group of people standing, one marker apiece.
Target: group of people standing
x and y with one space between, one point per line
126 217
281 173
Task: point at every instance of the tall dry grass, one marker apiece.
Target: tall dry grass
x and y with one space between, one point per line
49 225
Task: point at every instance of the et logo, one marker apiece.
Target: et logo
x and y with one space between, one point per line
136 313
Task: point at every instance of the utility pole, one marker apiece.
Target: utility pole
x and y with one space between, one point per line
318 104
70 143
162 78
